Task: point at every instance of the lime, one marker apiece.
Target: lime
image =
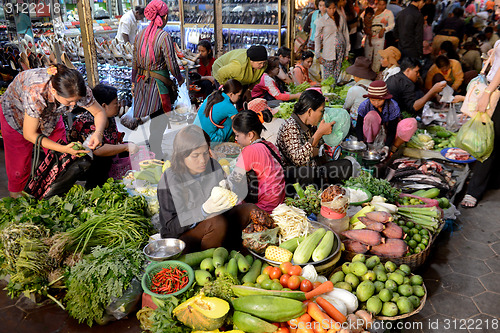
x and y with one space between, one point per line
424 241
424 232
262 277
276 286
418 250
405 229
416 280
426 237
417 238
412 243
414 231
266 284
401 223
410 224
419 227
421 246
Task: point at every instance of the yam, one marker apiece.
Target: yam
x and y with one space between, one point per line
375 226
366 221
356 247
368 237
392 230
382 217
392 248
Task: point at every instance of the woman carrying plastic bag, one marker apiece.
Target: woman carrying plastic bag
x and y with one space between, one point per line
482 170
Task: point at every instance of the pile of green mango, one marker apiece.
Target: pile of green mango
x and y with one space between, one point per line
382 289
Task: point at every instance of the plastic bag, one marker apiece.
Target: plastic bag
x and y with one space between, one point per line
122 306
340 129
258 241
477 136
183 101
452 119
427 114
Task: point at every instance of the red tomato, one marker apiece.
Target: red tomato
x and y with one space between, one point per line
275 273
284 280
316 284
267 270
295 270
294 282
282 330
306 286
285 267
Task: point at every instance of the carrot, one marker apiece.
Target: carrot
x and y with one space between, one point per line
305 318
317 327
331 310
306 302
325 287
305 330
315 312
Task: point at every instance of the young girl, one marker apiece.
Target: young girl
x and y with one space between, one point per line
216 112
188 210
258 155
332 40
367 24
112 141
267 87
205 59
301 71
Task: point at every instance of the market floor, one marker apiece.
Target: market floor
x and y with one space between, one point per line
462 276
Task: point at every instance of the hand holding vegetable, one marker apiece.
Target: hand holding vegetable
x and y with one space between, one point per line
75 148
219 201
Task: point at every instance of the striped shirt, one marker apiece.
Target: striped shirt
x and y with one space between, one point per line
147 97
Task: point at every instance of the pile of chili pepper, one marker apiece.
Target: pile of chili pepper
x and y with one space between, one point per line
169 280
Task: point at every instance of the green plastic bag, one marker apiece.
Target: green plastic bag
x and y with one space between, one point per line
340 129
476 136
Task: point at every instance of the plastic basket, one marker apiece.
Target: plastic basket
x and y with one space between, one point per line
156 267
141 155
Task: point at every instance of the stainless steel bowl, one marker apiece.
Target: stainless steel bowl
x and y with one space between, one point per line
353 145
372 156
164 249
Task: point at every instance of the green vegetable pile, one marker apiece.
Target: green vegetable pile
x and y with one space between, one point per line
285 110
221 287
341 92
375 186
309 202
442 137
327 85
298 88
99 277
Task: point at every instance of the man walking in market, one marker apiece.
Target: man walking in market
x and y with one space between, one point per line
409 30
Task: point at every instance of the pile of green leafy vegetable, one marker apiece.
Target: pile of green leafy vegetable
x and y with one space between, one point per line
221 287
285 110
375 186
298 88
99 277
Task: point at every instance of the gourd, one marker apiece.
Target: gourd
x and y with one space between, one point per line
202 313
305 249
251 324
324 248
195 258
274 309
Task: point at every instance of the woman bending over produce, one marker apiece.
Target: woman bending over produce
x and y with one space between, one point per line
258 155
267 87
216 112
34 104
381 110
112 140
189 209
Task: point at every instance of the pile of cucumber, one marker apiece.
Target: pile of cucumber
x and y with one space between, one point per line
316 246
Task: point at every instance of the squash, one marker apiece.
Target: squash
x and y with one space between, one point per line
305 249
250 324
202 313
270 308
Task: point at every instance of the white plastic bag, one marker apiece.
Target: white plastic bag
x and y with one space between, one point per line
452 119
183 100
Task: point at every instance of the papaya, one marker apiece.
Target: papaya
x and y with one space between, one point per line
251 324
202 313
242 291
271 308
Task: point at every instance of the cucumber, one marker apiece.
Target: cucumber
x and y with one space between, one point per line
305 249
253 273
195 258
419 193
248 323
431 193
220 256
324 248
249 259
242 291
292 244
232 267
271 308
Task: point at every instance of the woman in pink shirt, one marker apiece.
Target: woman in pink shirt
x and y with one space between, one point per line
258 155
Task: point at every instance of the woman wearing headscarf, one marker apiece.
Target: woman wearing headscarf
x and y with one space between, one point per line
389 59
154 61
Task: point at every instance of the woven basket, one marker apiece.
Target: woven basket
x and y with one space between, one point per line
156 267
414 261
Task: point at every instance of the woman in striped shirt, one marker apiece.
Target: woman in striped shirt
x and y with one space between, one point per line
154 61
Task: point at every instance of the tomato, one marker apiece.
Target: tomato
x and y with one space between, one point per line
316 284
275 273
294 282
295 270
284 280
306 286
285 267
267 270
282 330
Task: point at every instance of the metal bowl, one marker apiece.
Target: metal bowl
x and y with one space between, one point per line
314 225
353 145
372 156
164 249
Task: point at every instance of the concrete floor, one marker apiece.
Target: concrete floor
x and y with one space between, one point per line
462 276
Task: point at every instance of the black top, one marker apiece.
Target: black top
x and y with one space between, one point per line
409 30
451 26
404 92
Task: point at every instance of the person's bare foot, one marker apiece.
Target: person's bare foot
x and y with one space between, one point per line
468 201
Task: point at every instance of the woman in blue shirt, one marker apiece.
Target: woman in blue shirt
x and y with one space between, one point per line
216 112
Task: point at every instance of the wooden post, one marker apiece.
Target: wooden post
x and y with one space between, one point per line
181 20
87 30
290 25
219 40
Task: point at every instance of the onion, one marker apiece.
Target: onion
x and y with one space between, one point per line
355 323
367 318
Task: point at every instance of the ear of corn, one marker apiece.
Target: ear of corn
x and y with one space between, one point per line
278 254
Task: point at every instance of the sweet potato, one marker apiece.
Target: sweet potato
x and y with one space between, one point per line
375 226
368 237
392 248
366 221
356 247
392 230
382 217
